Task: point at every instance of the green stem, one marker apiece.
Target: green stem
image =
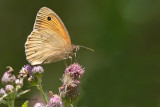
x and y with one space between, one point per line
66 104
11 103
39 86
11 99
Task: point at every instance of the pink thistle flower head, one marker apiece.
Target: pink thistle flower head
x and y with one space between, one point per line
28 68
55 101
9 88
37 70
25 71
75 70
19 82
8 77
2 92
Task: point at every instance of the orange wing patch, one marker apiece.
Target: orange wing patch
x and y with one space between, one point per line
48 19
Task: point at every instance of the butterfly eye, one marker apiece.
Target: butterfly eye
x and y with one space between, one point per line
49 18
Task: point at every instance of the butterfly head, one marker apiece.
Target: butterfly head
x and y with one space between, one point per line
75 48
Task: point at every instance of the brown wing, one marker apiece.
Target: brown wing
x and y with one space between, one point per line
44 46
46 18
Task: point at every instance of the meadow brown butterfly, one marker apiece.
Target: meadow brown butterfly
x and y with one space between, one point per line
49 41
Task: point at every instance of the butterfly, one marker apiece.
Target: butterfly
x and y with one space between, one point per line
49 41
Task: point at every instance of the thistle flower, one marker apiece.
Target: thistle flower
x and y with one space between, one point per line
8 76
28 68
19 81
25 71
75 70
69 90
39 105
9 88
2 92
55 101
67 79
37 70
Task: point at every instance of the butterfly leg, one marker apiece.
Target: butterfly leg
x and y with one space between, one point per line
76 57
70 59
65 62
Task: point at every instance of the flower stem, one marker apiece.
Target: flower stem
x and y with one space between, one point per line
11 99
68 104
11 103
39 86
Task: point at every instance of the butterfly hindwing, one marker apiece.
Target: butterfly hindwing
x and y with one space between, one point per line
43 46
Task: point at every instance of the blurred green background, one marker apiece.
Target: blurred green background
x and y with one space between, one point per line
124 70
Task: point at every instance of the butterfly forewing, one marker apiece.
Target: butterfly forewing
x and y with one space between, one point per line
46 18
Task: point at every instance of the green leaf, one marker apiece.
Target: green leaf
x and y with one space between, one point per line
23 92
25 104
3 101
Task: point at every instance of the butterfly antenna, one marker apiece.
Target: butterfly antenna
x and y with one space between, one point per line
86 48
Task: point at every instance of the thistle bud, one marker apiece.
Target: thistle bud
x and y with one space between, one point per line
55 101
2 92
69 92
9 88
28 68
8 76
69 89
19 83
25 71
